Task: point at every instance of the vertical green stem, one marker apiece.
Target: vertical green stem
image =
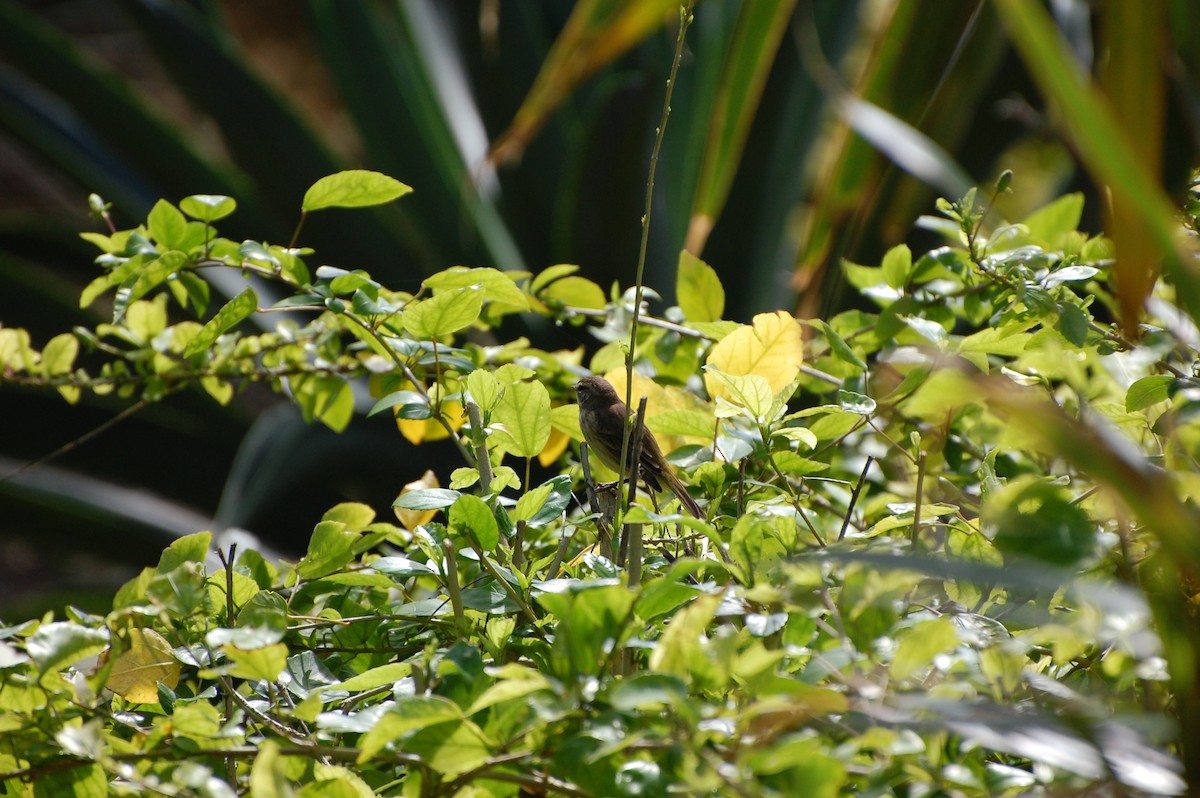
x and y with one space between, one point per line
479 439
685 20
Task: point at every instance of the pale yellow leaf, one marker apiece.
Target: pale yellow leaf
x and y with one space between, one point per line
771 347
411 519
136 673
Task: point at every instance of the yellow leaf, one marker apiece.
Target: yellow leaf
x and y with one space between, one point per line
136 673
431 429
411 519
700 293
771 347
418 431
555 446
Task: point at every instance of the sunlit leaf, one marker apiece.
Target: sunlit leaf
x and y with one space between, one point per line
771 348
354 188
444 313
698 289
238 309
471 517
137 672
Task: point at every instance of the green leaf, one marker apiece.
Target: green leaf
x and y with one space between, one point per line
407 401
576 292
497 286
855 403
59 355
523 413
1028 519
444 313
197 291
189 548
803 760
648 692
354 188
1148 391
54 646
324 398
484 389
679 650
802 435
1050 224
698 289
409 714
541 511
513 681
471 517
147 318
329 549
266 609
750 391
88 781
1073 323
549 275
208 207
451 748
663 596
591 615
181 591
400 567
352 281
531 502
265 663
841 349
897 266
167 226
920 644
690 423
355 515
239 308
427 499
461 478
376 677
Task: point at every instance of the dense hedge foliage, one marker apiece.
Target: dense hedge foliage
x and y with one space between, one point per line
936 535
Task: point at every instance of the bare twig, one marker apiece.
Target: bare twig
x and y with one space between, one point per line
685 19
854 496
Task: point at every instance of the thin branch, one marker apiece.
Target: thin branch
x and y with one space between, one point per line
452 587
602 527
482 461
920 490
854 496
82 439
631 534
685 19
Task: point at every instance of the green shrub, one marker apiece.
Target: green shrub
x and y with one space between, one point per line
936 536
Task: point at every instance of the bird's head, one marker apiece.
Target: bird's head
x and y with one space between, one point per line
595 391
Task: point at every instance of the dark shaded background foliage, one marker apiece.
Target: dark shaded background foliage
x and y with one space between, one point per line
140 99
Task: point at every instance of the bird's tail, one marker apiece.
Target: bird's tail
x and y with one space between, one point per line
676 486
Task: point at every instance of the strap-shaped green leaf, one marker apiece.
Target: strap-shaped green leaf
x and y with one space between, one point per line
235 310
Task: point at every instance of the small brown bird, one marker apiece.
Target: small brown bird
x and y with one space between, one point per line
602 418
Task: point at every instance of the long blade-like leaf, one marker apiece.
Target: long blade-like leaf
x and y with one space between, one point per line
759 31
1103 146
264 133
398 80
597 33
109 130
